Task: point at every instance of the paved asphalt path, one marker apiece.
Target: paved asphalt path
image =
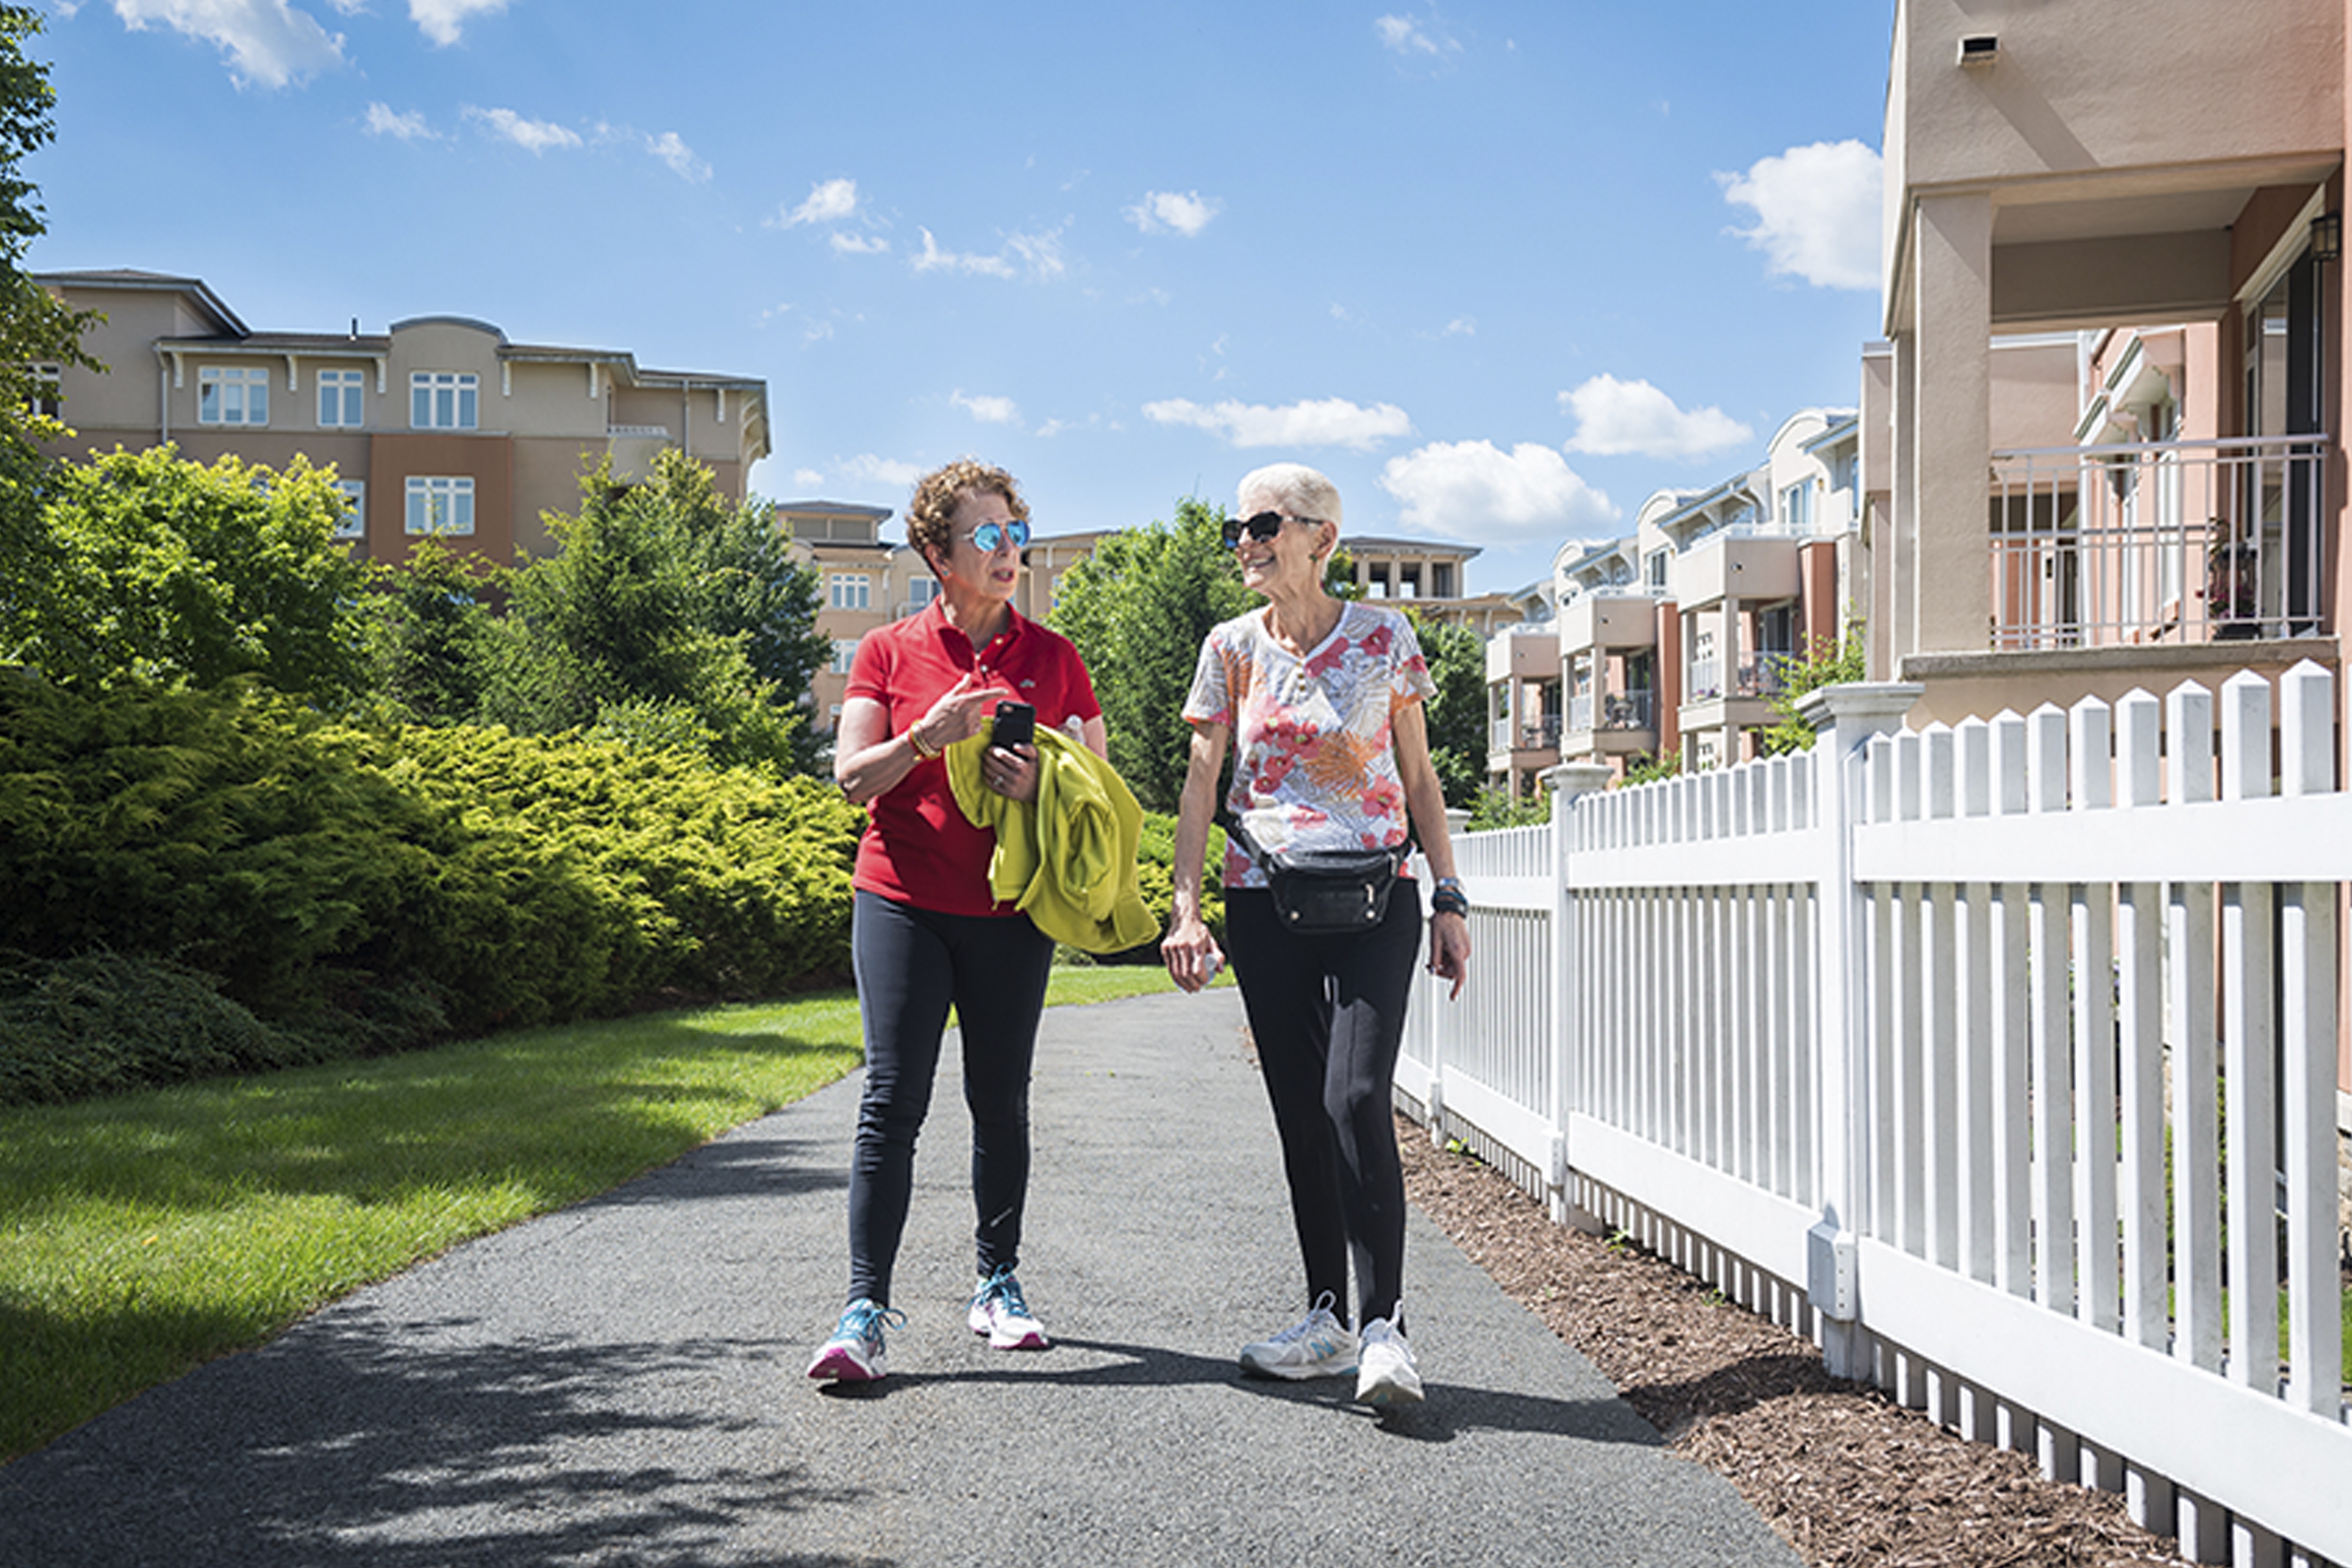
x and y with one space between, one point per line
621 1382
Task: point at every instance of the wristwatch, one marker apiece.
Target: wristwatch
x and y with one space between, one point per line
1448 899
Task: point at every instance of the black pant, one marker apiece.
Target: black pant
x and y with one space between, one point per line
1327 1013
911 964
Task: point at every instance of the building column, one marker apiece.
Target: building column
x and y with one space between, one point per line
1944 417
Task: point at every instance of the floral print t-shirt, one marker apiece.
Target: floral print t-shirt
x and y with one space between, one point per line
1314 752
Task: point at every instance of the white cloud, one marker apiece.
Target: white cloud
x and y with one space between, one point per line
1817 212
411 127
830 201
1188 214
1617 418
934 260
268 42
1461 327
1473 490
1407 35
1040 253
671 148
859 245
868 467
532 135
808 479
444 21
988 410
1324 422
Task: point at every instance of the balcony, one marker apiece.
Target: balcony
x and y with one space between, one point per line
1544 735
2168 541
1758 677
1620 711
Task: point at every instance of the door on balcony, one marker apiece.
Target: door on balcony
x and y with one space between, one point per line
2286 361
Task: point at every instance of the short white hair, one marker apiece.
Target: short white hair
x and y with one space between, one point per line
1291 488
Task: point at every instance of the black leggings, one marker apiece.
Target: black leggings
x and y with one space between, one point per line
911 964
1327 1013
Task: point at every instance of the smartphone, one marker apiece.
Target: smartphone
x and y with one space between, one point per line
1016 725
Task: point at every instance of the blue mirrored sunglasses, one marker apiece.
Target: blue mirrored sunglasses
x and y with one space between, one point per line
990 537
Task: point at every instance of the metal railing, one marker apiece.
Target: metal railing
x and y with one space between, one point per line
2159 542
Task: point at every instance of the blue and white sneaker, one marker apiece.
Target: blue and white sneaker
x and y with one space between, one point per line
853 1354
1001 1312
1318 1345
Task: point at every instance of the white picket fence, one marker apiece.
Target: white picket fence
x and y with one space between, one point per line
1918 1043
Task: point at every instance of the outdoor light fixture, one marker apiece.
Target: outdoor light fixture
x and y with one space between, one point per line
1981 50
2327 238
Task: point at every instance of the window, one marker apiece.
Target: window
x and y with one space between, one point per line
1796 507
852 591
921 592
440 505
354 523
227 396
1658 570
442 400
845 652
338 399
48 402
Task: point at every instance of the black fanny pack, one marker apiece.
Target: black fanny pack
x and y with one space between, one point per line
1321 892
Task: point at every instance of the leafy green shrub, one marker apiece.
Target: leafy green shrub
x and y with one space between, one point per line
1495 808
379 886
101 1022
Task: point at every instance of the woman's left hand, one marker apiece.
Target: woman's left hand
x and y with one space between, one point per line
1449 950
1012 773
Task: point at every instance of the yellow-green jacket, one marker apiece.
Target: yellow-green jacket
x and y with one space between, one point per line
1068 861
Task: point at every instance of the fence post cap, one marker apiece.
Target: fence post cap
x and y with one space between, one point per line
1878 704
1570 780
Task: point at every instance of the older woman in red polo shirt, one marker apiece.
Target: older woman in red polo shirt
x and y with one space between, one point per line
926 934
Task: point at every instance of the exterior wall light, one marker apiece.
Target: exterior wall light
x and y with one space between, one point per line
2327 238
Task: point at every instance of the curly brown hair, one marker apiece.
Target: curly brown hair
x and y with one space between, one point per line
937 493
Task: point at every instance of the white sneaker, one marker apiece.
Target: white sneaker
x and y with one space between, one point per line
1385 1373
1000 1312
1318 1345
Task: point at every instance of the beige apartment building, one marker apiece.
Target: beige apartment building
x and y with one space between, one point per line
1671 641
2103 436
437 426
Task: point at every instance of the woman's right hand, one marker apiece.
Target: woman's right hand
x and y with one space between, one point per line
961 712
1190 953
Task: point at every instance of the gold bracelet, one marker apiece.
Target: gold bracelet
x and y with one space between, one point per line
922 752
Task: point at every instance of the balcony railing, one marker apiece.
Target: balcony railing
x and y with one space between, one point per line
2170 541
1504 737
1619 710
1757 676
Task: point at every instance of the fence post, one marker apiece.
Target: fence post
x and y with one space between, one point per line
1843 718
1570 782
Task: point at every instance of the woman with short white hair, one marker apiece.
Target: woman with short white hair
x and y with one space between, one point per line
1323 704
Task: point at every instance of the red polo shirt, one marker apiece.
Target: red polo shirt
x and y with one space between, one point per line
918 849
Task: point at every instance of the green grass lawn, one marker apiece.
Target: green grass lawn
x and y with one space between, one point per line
145 1234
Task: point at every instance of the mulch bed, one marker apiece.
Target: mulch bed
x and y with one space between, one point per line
1845 1476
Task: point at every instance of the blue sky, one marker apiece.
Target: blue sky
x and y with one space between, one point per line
1502 270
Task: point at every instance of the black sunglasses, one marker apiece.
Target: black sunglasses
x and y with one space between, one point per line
1261 527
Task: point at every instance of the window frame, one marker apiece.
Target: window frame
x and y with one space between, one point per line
353 524
348 390
252 383
462 387
458 488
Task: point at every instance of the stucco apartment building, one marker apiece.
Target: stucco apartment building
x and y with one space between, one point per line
436 425
2103 439
1668 642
